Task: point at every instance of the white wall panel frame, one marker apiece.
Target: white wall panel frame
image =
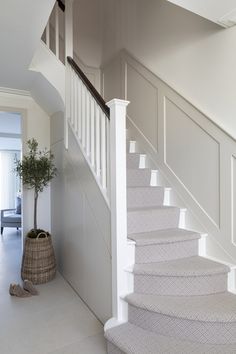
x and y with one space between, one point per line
220 228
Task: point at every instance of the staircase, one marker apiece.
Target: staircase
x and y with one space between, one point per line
180 302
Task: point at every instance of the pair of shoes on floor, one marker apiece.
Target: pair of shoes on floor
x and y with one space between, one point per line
26 291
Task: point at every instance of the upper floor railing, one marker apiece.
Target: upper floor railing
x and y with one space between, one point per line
54 34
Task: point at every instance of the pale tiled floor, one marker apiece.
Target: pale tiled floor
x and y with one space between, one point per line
55 322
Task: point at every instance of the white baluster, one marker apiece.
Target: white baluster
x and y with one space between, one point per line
76 106
108 157
97 142
88 124
57 35
83 116
80 110
72 97
92 137
103 151
48 34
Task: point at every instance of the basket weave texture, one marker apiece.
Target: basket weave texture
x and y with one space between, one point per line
38 262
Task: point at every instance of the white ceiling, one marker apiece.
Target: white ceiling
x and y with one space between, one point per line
222 12
21 26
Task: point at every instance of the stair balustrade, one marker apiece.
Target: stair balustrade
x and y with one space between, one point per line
100 130
54 33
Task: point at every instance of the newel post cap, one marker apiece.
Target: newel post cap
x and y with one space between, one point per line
117 102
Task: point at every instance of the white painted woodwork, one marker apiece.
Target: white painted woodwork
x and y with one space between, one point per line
57 33
220 12
118 205
194 155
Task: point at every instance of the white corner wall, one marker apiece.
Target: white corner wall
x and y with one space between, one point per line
88 31
35 123
80 224
193 55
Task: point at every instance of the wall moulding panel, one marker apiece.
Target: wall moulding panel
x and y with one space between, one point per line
193 154
233 196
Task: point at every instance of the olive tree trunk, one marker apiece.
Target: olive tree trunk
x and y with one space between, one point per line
35 209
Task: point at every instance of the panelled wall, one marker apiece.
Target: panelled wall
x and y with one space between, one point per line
196 157
81 224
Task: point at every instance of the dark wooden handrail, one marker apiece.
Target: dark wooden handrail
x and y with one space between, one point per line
96 95
61 5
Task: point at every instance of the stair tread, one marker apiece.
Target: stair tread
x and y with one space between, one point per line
208 308
135 340
147 187
185 267
164 236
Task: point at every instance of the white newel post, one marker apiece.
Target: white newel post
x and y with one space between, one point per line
118 204
68 52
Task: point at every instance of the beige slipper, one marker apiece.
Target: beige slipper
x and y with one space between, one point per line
16 290
28 286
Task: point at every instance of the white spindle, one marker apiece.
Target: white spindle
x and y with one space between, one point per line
76 106
72 98
88 124
108 157
103 151
92 131
57 34
83 116
48 34
97 142
80 110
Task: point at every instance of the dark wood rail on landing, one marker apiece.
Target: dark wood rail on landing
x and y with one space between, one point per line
96 95
61 5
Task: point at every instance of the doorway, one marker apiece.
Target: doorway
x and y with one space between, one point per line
10 192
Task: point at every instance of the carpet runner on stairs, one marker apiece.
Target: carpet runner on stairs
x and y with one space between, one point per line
180 302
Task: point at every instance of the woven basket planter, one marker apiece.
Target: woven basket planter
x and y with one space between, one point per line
38 263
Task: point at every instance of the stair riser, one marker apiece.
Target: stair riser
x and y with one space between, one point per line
196 331
166 252
136 161
145 197
112 349
138 178
145 221
180 286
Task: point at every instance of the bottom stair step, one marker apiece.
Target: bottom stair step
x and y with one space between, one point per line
130 339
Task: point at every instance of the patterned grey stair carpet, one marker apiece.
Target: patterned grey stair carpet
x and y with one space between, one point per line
180 303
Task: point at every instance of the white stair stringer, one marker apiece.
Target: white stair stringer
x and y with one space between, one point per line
178 300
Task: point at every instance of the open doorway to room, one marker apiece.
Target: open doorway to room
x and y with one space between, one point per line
10 194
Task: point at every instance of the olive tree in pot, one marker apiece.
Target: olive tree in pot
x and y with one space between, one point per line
37 169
